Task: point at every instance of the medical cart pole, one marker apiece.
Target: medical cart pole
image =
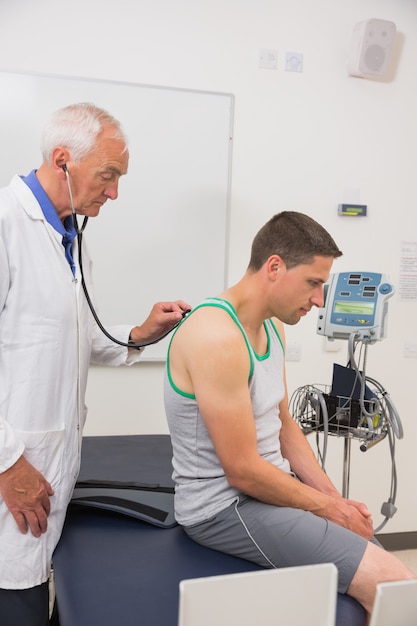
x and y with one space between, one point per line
346 467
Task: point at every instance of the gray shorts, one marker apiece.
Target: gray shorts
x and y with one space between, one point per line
275 537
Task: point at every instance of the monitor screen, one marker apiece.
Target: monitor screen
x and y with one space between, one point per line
354 308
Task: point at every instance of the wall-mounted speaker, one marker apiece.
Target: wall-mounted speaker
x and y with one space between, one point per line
371 48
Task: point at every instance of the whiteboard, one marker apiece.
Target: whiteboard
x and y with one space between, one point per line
166 236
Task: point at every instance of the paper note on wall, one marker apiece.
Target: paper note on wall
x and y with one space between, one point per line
408 271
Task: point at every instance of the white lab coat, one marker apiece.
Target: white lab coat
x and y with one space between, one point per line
47 340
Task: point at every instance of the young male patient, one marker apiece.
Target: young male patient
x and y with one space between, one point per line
247 482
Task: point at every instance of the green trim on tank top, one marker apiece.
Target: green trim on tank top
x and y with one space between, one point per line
275 329
229 308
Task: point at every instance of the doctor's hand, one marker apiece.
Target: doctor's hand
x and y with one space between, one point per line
26 494
162 318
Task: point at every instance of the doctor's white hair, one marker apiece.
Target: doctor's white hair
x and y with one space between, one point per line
76 127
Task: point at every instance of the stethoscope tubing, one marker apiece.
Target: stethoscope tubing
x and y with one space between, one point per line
80 232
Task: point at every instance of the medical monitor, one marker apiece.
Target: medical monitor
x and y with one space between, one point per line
355 302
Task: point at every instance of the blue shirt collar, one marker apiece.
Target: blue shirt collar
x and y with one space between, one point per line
48 209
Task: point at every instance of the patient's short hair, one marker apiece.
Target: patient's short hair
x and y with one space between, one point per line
295 237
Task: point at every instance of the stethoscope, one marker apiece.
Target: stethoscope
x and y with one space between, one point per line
80 232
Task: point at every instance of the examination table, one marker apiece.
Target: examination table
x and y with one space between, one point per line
112 568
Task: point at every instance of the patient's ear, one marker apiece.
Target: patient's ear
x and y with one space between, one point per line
274 266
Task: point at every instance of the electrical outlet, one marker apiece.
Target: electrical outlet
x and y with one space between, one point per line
293 351
410 348
268 59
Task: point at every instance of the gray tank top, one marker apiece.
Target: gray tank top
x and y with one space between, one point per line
201 488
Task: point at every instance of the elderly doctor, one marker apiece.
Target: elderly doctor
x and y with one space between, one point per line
48 338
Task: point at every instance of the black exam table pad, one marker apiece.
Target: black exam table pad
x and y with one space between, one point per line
128 475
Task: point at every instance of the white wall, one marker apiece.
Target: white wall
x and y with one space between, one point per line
301 141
